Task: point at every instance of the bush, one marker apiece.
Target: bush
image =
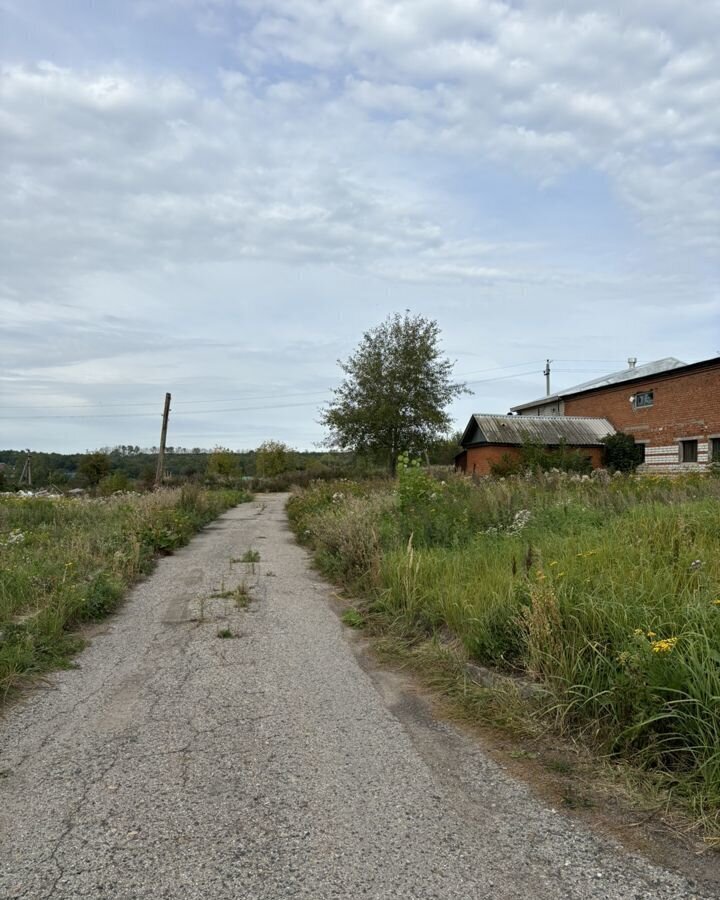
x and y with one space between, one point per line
534 456
117 481
621 453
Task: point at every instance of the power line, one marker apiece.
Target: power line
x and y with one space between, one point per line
180 406
232 408
245 397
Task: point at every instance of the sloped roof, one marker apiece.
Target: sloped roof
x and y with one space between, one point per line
645 371
582 431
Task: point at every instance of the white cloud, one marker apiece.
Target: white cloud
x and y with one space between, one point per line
337 161
549 85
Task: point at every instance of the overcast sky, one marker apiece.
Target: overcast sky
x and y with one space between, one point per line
218 197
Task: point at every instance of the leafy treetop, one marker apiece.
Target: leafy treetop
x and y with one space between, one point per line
396 391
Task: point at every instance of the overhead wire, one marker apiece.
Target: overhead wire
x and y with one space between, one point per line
178 407
245 397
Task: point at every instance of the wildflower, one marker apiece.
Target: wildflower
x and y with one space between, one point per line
520 520
639 632
651 634
696 565
716 602
665 645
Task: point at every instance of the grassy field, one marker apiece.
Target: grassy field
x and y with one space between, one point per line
606 592
68 561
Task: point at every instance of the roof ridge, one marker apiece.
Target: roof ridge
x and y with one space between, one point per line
634 373
517 418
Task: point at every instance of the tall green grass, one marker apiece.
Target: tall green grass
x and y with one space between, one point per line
605 591
67 561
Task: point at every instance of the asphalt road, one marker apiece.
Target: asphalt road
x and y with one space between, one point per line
174 763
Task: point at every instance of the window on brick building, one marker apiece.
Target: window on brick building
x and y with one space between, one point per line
643 399
714 449
688 451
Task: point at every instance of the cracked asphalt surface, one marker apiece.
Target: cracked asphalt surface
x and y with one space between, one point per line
174 763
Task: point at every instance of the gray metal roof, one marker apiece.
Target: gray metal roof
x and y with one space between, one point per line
645 371
547 430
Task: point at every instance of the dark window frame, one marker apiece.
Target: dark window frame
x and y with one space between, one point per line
714 449
688 450
647 401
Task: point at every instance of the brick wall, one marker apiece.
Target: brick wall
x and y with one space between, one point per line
685 405
478 460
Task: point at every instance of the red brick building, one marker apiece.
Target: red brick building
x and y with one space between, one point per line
489 438
670 407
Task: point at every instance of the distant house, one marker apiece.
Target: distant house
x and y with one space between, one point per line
670 407
489 438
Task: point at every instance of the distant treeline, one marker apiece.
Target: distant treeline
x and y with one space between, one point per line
128 466
67 470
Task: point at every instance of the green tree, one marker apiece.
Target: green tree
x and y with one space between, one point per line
272 458
94 467
222 463
396 391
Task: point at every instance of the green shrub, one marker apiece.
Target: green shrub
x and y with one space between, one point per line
533 456
621 453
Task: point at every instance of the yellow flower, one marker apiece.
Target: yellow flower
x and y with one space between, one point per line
651 634
665 645
716 602
639 632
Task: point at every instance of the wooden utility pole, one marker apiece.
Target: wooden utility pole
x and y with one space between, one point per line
163 437
26 471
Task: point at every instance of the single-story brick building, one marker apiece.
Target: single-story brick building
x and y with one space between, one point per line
670 407
489 438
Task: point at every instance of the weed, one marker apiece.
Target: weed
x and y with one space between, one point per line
241 595
523 754
559 766
354 618
574 799
250 556
225 633
201 616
